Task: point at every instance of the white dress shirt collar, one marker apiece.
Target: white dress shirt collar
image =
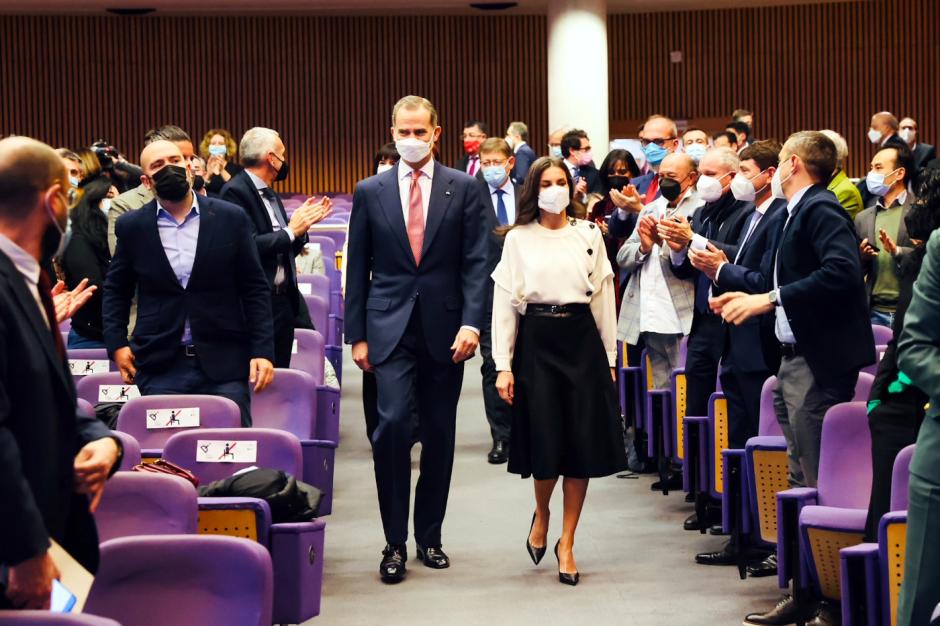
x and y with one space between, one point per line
405 170
795 200
259 184
516 147
762 209
193 209
25 263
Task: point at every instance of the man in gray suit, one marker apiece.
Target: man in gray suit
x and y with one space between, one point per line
137 197
657 304
919 358
883 221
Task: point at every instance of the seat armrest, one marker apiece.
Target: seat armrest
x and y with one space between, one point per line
692 455
734 459
789 505
658 410
860 584
327 423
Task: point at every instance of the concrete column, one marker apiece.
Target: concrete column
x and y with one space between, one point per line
577 69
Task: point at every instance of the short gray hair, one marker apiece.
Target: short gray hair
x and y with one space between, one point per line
256 143
520 129
727 157
411 103
842 148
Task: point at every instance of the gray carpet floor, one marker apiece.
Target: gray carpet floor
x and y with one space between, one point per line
636 562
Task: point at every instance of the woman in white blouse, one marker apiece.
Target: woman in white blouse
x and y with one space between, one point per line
554 344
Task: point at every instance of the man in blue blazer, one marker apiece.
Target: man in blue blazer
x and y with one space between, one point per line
819 309
52 457
203 302
517 136
415 300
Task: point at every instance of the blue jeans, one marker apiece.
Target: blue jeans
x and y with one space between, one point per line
77 341
185 376
882 319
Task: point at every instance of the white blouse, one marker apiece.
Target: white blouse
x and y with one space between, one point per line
545 266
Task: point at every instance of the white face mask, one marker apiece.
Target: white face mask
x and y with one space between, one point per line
105 205
907 134
413 150
509 141
554 199
709 188
776 184
384 167
742 187
874 136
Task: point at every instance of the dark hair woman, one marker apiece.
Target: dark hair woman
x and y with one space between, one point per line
87 256
554 344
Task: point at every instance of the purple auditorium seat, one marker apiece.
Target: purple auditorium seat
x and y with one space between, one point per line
45 618
294 403
883 334
183 579
814 524
336 232
309 353
86 407
662 407
65 325
879 353
327 323
328 248
152 419
296 548
106 387
141 503
85 361
314 285
131 451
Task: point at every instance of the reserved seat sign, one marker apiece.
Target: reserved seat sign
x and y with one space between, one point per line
215 451
172 418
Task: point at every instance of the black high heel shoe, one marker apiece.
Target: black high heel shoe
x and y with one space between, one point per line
535 553
566 579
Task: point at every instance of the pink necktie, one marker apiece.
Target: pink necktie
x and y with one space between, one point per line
416 217
473 165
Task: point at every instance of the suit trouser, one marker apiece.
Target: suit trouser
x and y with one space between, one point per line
410 376
370 403
920 591
185 375
801 404
663 351
498 413
701 362
283 317
742 390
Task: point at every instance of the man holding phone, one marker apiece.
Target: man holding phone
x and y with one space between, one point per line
51 457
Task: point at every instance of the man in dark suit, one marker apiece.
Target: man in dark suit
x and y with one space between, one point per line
415 301
919 350
743 366
204 305
473 135
51 456
882 133
576 152
265 159
499 197
819 311
921 152
517 136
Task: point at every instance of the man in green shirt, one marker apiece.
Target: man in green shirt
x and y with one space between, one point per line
883 224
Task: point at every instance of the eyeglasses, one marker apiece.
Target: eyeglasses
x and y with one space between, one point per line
473 136
490 163
658 142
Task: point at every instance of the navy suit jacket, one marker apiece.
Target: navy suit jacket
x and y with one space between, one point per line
820 279
227 299
525 157
40 433
490 224
241 190
923 153
383 283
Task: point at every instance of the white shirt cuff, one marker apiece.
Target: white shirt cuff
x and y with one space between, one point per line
612 359
718 271
473 328
503 364
290 234
621 214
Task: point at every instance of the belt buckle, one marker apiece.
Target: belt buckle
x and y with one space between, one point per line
189 350
555 309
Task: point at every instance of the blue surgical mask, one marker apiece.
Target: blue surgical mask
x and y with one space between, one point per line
556 152
217 150
495 175
654 154
875 182
74 182
696 151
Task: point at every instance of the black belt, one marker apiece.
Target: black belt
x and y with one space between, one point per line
536 309
790 350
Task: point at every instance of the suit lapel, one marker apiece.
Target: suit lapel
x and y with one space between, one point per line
156 245
390 201
441 194
34 314
204 239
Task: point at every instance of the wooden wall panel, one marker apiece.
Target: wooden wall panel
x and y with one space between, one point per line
796 67
326 83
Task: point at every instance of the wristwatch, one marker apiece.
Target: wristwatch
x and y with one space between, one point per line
773 296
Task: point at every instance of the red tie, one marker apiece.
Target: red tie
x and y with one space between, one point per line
45 296
652 190
416 217
474 161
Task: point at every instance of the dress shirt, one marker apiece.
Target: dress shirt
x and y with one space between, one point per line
509 199
516 147
758 215
179 243
28 267
782 324
280 275
657 309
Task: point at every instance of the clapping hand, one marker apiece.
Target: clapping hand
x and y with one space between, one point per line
311 212
580 187
708 261
67 303
887 242
867 249
676 231
646 229
736 307
629 199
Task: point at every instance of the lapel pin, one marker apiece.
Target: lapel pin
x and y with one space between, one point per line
447 193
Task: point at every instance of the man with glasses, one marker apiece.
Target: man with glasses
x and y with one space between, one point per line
473 135
659 138
499 202
576 152
657 304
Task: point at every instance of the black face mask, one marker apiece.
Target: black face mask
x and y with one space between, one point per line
198 183
171 183
282 173
617 182
671 189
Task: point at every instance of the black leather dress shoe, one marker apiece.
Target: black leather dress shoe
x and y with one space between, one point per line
392 568
827 616
787 612
767 567
499 453
433 557
673 482
729 556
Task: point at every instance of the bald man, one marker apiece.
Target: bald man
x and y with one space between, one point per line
204 305
657 304
51 456
554 142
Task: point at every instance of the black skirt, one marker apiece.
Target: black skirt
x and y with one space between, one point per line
565 414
